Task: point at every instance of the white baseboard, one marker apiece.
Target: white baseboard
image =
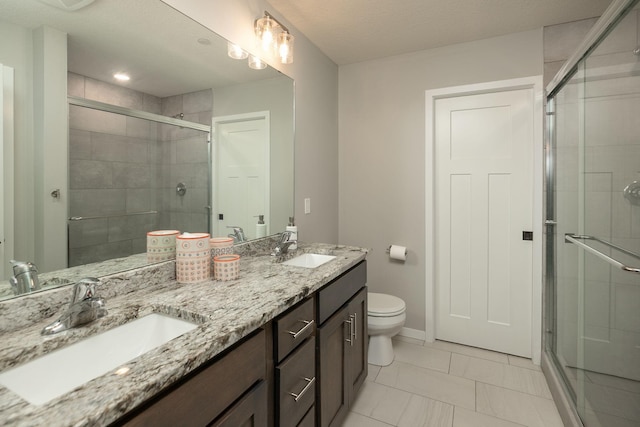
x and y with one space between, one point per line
413 333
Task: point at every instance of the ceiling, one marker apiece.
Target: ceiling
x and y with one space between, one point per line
165 52
350 31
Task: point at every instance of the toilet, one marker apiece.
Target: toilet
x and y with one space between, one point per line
385 318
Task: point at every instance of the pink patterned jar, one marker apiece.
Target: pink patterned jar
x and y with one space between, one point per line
226 267
220 246
161 245
193 258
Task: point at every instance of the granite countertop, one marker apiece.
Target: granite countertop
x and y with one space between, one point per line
225 312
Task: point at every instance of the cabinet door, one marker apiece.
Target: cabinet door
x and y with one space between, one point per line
333 338
358 366
250 411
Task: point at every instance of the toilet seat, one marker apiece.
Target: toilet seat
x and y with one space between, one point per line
383 305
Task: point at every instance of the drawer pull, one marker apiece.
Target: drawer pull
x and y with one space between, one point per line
310 382
308 324
354 316
350 323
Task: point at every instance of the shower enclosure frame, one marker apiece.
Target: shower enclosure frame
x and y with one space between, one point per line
563 395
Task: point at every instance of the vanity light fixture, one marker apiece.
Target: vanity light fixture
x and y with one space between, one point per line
274 37
121 77
236 52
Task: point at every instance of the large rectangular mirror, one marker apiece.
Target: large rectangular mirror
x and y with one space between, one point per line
193 141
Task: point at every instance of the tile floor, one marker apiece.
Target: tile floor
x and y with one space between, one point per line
450 385
605 400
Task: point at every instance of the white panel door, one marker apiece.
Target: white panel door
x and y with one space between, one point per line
242 173
483 203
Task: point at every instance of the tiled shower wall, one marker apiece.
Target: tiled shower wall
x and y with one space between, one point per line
183 158
121 166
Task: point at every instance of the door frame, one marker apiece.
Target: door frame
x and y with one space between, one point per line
7 202
214 159
431 96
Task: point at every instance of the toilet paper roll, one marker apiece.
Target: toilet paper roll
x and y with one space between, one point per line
398 252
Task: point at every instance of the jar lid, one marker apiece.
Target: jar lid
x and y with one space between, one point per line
193 236
163 232
221 240
226 258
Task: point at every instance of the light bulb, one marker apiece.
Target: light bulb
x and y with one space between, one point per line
264 31
285 48
256 63
234 51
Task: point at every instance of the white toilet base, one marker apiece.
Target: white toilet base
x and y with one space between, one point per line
380 350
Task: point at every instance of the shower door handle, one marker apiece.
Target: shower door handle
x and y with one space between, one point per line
551 222
577 240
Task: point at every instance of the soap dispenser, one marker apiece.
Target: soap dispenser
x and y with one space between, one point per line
294 233
261 227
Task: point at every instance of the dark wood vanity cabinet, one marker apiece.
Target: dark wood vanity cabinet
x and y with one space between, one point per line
303 369
342 343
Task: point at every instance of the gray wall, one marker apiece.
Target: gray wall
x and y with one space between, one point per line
382 156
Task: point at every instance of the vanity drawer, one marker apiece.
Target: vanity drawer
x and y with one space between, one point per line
210 391
296 385
337 293
294 327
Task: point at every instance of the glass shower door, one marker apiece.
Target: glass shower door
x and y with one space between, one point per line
596 300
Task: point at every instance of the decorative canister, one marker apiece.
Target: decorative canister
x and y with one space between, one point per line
193 258
220 246
226 267
161 245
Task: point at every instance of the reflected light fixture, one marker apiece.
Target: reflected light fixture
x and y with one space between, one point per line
121 77
236 52
256 63
274 37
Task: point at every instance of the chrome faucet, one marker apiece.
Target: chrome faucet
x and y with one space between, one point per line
25 278
238 234
282 246
85 307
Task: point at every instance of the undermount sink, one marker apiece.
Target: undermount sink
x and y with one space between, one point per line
309 260
60 371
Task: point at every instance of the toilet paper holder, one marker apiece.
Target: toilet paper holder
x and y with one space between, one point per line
388 250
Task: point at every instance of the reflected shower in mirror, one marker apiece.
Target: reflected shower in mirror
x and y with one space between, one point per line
130 144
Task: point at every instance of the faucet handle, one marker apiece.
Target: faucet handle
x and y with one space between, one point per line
84 289
284 237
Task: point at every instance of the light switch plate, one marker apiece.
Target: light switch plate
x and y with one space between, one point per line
307 206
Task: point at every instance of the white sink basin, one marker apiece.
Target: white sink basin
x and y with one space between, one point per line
309 260
60 371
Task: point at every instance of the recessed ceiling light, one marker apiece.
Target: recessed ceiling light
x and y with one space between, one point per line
69 5
121 77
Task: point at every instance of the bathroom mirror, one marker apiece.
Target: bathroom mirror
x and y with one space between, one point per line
179 73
